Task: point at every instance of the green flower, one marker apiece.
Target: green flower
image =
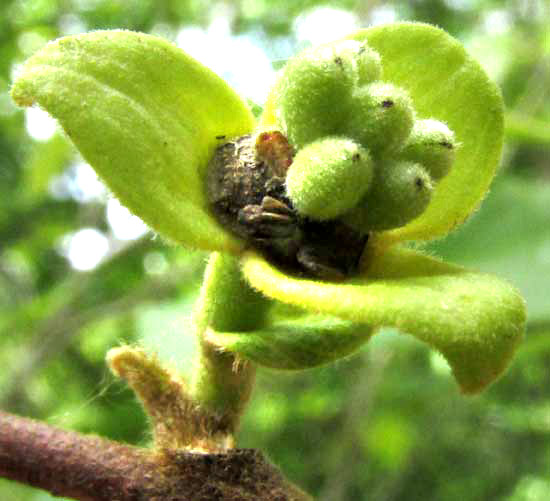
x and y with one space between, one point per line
149 118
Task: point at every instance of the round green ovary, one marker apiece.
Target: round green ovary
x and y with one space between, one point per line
382 117
314 91
328 178
400 192
432 144
368 65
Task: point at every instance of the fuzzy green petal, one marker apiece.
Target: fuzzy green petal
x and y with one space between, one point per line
145 116
298 344
446 84
473 319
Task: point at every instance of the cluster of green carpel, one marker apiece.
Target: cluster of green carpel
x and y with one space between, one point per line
149 119
362 154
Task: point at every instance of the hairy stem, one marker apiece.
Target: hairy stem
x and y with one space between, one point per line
222 383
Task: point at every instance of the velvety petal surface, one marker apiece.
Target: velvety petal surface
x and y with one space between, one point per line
301 343
475 320
147 117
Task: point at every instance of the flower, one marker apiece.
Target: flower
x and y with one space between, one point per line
148 118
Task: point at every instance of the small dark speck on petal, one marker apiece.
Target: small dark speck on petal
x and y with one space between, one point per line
387 103
446 144
356 157
419 183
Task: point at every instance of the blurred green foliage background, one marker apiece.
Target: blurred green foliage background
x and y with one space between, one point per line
79 275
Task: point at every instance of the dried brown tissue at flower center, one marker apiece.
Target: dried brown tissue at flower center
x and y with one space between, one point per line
246 190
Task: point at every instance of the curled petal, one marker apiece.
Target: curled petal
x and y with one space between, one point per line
147 117
475 320
446 84
295 344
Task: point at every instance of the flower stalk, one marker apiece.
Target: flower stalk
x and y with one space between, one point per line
222 381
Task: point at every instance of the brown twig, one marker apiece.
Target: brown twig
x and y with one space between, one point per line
89 468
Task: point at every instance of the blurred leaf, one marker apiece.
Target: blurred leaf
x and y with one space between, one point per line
531 488
166 329
389 439
46 160
525 129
